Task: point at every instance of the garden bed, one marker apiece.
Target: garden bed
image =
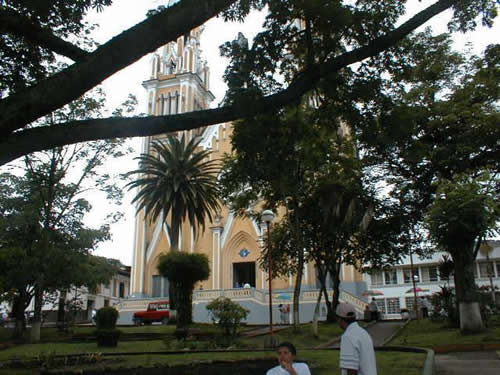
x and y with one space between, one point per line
244 367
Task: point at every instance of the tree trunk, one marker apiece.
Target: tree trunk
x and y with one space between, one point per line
18 311
184 306
465 287
296 293
37 316
316 315
61 312
174 246
335 275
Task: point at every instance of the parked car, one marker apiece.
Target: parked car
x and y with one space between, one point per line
157 312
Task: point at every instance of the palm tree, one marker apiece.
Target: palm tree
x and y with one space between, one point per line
176 179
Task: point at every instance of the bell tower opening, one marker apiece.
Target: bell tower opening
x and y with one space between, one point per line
243 273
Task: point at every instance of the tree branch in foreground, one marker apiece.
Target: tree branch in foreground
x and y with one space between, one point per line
18 110
36 139
12 23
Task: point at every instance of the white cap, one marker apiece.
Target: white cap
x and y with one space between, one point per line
346 310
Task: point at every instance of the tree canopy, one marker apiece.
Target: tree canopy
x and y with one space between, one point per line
344 34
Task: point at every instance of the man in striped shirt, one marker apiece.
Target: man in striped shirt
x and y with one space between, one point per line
357 356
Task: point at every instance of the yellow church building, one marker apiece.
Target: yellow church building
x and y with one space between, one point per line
179 82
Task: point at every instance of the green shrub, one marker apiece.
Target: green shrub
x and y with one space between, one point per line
183 271
445 306
106 333
227 315
106 318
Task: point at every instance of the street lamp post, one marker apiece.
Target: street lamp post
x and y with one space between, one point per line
267 217
413 279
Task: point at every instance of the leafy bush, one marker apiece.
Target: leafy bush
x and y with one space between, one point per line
445 306
106 318
227 315
106 333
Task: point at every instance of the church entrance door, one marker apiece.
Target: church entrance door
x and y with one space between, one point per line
243 274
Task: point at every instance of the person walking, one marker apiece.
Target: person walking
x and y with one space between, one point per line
372 306
426 306
286 357
282 310
357 356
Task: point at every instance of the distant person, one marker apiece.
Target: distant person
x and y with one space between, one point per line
367 316
426 306
373 310
281 308
94 314
286 356
284 313
357 356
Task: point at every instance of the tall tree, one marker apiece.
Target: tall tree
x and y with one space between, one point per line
50 197
463 212
175 183
440 123
337 34
176 180
271 164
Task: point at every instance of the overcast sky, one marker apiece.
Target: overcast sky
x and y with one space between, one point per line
124 14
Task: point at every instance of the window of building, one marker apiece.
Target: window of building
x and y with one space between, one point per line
498 269
122 290
393 305
376 278
160 286
485 268
430 273
474 270
407 275
391 277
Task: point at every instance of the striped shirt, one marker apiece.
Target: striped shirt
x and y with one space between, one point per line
356 351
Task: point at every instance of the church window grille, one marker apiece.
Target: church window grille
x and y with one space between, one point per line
159 286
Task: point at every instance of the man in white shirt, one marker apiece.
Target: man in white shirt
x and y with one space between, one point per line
357 356
286 357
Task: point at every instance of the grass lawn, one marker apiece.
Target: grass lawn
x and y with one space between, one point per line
55 340
54 335
426 333
302 339
323 362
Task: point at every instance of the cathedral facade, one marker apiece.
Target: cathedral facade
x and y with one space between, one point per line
180 82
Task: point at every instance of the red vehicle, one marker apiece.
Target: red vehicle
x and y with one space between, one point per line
157 312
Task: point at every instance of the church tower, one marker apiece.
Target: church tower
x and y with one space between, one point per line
179 82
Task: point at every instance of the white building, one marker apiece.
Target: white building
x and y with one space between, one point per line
396 283
104 295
